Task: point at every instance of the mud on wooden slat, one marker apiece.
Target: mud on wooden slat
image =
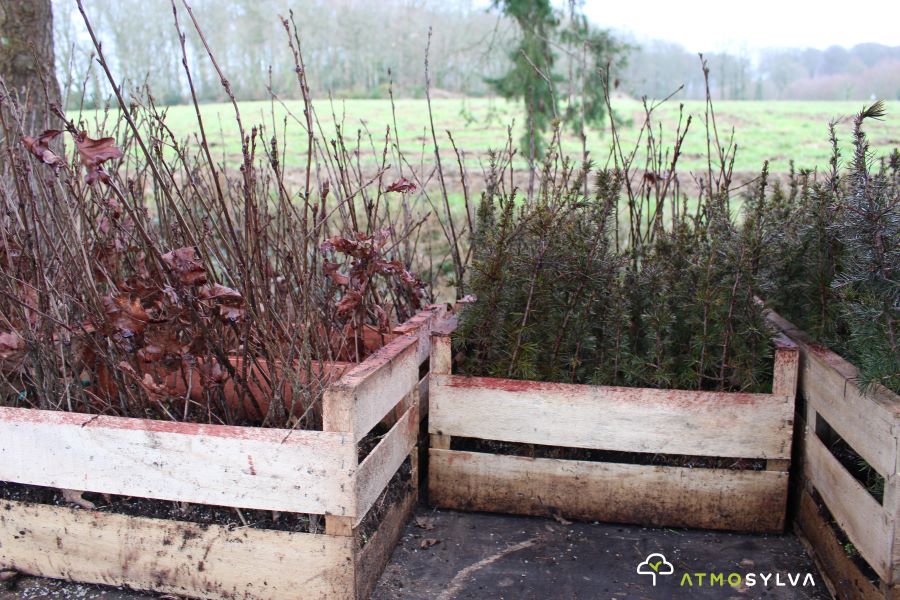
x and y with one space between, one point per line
376 471
858 514
613 418
366 393
245 467
646 495
844 577
179 558
374 556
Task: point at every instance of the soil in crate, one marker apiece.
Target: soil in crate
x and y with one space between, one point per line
203 514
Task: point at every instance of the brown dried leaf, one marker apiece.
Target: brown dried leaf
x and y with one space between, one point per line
40 146
94 153
125 314
184 263
230 302
331 269
153 389
29 298
349 302
425 523
12 351
161 343
428 543
74 497
220 292
402 185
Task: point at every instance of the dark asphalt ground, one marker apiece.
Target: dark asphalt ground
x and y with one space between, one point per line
446 555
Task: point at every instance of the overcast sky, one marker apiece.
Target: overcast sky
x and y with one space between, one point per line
711 25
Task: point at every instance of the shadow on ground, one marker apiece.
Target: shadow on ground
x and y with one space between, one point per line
492 556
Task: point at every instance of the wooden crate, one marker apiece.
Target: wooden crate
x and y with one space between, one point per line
313 472
628 420
869 423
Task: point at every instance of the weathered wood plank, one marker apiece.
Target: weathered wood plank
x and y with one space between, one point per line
171 556
420 325
787 367
245 467
867 422
364 395
858 514
612 418
868 430
891 503
848 581
376 553
440 441
647 495
379 466
441 346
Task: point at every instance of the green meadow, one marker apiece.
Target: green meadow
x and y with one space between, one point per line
763 131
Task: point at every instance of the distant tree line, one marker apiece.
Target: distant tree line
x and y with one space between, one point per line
348 47
356 48
865 71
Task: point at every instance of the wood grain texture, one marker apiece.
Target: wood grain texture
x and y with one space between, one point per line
787 367
245 467
612 418
858 514
661 496
845 578
420 325
441 345
173 557
376 471
375 554
366 393
868 422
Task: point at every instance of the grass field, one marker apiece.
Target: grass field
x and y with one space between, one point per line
773 131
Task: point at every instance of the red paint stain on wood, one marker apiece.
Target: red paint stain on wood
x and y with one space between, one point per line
700 400
65 419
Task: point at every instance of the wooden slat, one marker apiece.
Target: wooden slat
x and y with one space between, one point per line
441 348
646 495
365 394
868 430
891 503
246 467
612 418
379 466
858 514
173 557
787 367
420 325
376 553
848 581
867 422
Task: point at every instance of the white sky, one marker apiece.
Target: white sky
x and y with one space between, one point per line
710 25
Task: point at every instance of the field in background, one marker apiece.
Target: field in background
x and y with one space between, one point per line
773 131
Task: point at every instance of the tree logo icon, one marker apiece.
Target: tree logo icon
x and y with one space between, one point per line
655 564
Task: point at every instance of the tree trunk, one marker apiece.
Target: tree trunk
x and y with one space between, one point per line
26 58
